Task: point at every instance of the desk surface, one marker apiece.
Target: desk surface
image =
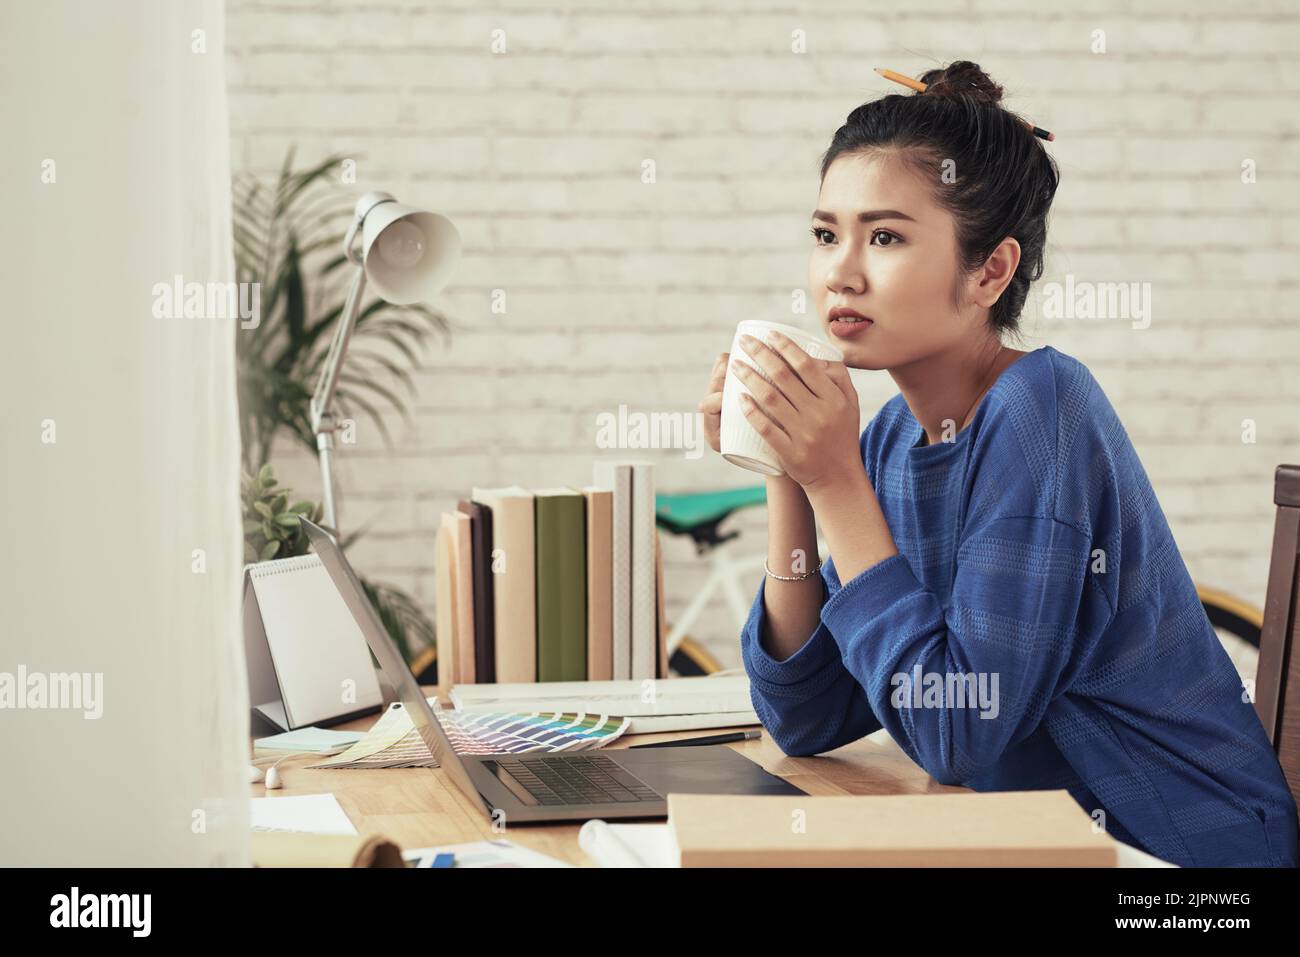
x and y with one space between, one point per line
422 807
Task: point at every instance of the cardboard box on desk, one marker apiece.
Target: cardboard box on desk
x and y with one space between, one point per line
994 829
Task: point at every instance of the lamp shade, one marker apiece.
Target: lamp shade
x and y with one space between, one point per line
409 255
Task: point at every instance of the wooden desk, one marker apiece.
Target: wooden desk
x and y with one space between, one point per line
422 807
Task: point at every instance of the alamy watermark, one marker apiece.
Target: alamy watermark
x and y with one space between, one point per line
55 691
1098 300
75 909
935 689
208 300
654 430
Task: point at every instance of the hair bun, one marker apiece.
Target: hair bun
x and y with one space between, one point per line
962 78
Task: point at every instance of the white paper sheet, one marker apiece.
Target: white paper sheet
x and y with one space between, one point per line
303 813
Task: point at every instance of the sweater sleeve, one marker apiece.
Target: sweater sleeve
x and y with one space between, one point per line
809 703
1021 621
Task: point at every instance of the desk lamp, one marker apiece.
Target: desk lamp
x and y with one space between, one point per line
408 255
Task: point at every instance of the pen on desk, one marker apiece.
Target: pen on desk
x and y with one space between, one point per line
712 739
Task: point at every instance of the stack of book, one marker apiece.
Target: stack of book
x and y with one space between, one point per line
557 584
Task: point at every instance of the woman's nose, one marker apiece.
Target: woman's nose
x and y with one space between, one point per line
845 273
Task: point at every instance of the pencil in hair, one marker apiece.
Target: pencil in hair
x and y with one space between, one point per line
920 87
899 78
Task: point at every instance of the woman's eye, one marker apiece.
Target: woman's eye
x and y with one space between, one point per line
825 237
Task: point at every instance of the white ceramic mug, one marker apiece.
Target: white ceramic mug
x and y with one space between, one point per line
738 442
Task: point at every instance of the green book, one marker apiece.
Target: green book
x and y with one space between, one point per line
561 584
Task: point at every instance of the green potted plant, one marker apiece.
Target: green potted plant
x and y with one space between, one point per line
271 526
272 530
288 237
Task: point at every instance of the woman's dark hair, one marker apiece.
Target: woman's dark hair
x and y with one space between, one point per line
1001 180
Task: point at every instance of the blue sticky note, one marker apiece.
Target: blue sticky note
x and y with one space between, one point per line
309 739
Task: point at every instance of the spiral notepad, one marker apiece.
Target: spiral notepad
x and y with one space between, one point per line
308 662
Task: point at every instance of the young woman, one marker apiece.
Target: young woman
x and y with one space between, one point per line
1006 598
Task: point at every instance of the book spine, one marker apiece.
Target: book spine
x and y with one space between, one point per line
618 478
561 588
600 637
514 536
644 650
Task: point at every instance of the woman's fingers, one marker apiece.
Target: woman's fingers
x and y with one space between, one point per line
711 404
718 377
771 431
778 371
838 373
794 372
813 372
770 399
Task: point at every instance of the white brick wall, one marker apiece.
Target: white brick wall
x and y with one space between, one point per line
621 292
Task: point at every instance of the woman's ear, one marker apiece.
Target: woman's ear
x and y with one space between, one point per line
998 271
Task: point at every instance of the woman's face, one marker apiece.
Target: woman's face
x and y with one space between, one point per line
885 249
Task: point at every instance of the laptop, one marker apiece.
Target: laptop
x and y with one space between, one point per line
605 783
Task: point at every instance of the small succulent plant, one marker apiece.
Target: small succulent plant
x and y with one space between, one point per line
272 530
271 526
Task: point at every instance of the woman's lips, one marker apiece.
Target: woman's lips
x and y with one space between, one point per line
845 328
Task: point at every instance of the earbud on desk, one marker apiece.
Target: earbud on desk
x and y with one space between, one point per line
272 775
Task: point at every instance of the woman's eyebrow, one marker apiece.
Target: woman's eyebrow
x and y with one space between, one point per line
864 217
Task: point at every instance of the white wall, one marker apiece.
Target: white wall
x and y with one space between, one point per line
622 292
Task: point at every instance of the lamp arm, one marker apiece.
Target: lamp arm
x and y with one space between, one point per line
327 384
323 423
351 235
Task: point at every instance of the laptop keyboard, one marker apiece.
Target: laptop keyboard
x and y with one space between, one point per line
578 779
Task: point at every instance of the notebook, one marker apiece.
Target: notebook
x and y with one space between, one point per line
462 583
653 845
677 704
480 525
514 580
990 829
617 477
309 739
644 643
307 660
561 585
446 607
600 609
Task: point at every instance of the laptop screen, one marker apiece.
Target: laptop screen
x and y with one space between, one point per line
389 658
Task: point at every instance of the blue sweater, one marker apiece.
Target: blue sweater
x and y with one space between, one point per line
1038 629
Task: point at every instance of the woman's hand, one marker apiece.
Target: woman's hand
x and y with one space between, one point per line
711 404
808 413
